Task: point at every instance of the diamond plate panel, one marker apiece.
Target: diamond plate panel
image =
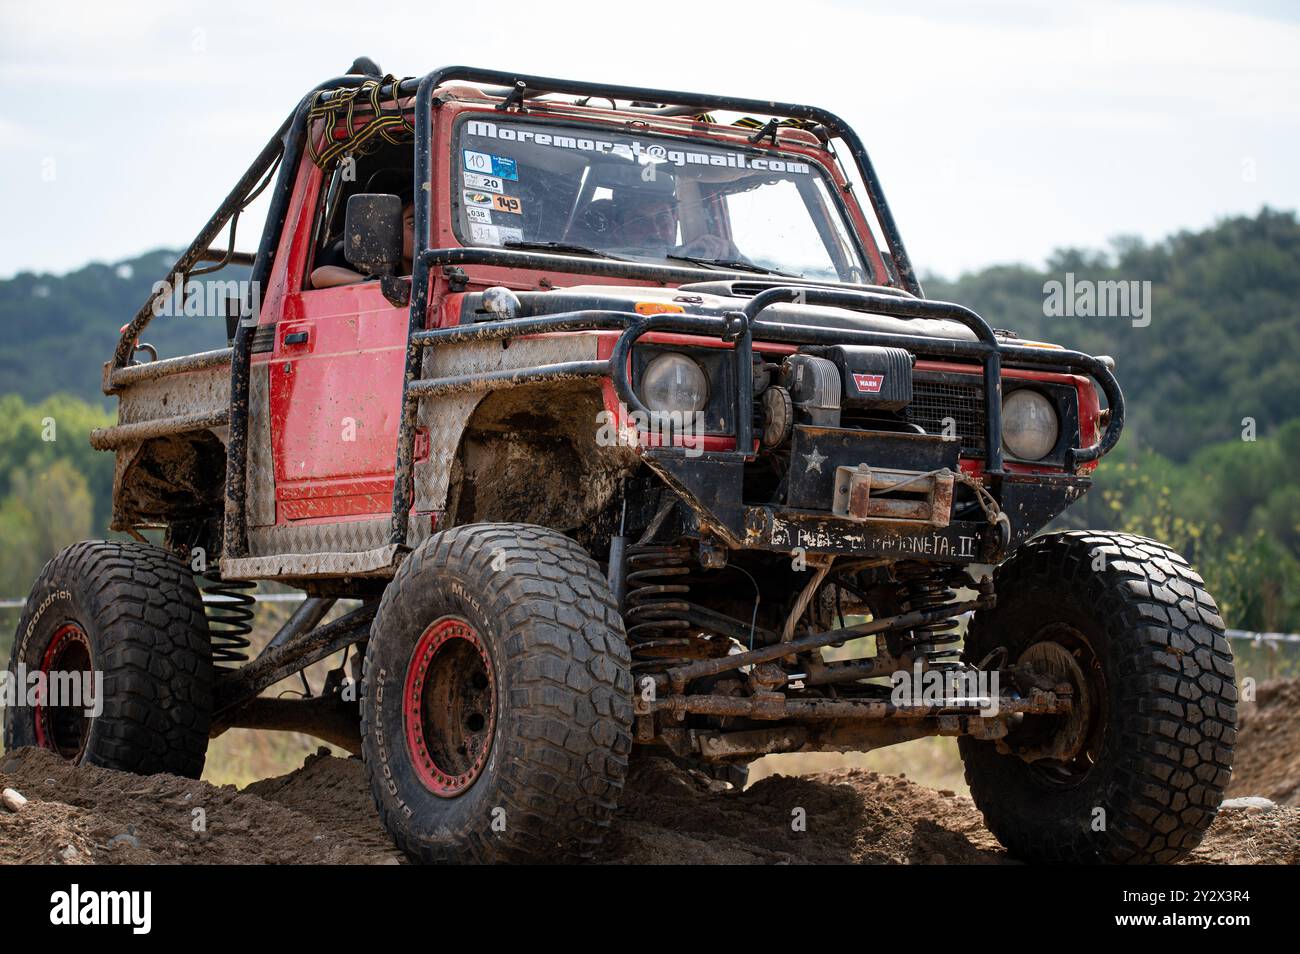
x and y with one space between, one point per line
261 470
346 536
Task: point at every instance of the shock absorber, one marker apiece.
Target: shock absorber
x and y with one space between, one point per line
230 618
656 606
923 588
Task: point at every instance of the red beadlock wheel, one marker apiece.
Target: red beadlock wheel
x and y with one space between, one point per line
496 704
449 704
64 728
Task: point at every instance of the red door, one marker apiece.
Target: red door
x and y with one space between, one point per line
336 395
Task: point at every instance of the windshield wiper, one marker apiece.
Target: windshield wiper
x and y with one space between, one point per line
733 265
563 247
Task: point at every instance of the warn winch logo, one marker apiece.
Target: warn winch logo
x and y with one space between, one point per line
869 383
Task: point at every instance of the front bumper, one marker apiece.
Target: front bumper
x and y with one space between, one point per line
712 491
711 482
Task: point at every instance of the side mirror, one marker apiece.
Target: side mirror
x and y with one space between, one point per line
372 233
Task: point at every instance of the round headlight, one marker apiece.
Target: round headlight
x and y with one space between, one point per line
1029 424
673 382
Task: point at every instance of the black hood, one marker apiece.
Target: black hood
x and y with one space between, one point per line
716 299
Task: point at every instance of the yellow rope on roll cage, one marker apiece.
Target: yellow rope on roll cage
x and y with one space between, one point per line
389 124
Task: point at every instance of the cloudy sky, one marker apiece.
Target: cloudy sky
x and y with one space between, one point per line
1000 133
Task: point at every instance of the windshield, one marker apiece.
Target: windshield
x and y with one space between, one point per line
643 198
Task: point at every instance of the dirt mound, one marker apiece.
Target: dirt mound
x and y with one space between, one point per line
108 817
674 817
859 817
322 813
333 793
1267 761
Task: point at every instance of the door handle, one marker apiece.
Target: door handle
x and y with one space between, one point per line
298 337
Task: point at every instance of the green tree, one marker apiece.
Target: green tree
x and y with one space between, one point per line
32 437
45 511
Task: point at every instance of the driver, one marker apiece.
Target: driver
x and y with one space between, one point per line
649 220
645 220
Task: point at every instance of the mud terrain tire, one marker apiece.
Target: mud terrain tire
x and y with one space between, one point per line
1157 754
512 630
133 612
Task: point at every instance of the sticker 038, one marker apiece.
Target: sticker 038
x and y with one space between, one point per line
507 203
481 216
482 200
476 180
485 163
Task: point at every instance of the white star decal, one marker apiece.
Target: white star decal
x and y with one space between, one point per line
815 460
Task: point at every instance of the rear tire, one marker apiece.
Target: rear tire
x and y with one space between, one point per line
1150 762
133 612
497 712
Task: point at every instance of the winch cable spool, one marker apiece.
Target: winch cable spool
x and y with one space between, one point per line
337 107
230 618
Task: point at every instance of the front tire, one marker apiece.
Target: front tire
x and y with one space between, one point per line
133 613
1136 774
497 713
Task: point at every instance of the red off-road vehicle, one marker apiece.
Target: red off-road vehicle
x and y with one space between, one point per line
647 440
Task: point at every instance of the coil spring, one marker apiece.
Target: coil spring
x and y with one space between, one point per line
925 588
656 607
230 619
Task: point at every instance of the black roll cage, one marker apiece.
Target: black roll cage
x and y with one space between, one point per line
740 327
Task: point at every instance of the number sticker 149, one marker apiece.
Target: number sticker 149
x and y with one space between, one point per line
507 203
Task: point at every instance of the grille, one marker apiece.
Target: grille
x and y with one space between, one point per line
932 401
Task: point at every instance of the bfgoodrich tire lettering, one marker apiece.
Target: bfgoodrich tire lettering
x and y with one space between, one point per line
1165 694
561 710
